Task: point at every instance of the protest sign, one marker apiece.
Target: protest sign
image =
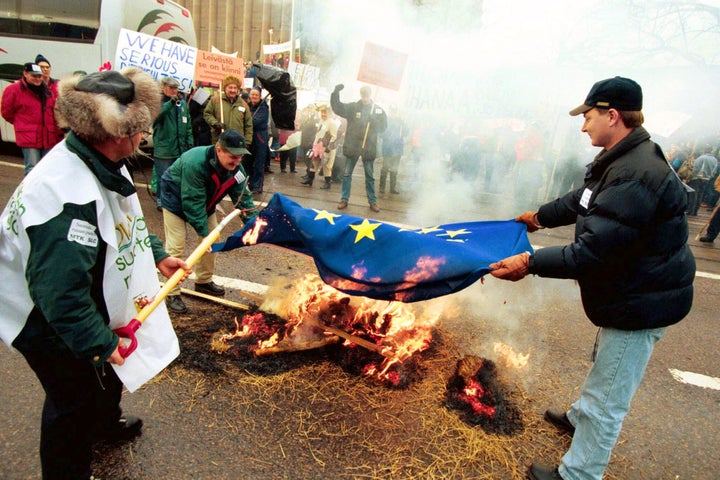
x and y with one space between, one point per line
304 76
157 56
213 67
382 66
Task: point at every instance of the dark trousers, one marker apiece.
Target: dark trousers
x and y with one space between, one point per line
80 402
288 156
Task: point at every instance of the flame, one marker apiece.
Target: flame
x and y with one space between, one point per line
251 237
473 394
388 328
509 357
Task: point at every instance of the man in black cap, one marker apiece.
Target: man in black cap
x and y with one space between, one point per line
76 260
631 260
172 131
28 104
191 189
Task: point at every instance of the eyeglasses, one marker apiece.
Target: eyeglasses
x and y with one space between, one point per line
146 133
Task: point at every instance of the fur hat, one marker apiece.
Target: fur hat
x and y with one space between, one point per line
108 104
231 79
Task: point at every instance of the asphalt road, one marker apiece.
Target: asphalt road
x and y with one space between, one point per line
670 433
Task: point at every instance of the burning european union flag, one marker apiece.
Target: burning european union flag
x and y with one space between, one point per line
364 257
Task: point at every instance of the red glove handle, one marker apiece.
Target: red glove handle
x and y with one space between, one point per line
128 331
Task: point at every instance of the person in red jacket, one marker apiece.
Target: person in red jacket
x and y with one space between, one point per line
28 105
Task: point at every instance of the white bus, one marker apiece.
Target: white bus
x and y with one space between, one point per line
79 35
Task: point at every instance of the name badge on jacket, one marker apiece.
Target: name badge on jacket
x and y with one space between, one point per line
585 199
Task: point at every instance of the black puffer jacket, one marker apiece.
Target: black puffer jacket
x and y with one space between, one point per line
630 254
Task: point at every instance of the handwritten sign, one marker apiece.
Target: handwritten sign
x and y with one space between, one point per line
157 56
304 76
213 67
382 66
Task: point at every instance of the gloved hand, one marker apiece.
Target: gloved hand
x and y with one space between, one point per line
529 219
219 127
339 87
511 268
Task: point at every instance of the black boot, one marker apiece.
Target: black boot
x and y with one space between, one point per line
326 185
309 181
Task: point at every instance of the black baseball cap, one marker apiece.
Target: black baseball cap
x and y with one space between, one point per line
233 141
618 92
32 68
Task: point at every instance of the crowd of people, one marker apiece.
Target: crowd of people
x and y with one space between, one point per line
629 206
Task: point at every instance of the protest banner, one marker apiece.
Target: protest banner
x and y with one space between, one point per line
213 67
382 66
304 76
157 56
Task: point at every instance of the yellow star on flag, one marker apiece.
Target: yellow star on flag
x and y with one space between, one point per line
454 233
325 215
429 230
365 229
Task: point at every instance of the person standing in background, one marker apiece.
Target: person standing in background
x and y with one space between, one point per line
259 149
322 149
393 144
172 132
228 110
28 104
46 68
365 121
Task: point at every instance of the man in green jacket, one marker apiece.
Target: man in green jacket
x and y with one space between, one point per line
192 187
172 131
227 109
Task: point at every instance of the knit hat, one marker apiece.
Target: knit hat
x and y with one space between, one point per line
108 104
41 58
230 79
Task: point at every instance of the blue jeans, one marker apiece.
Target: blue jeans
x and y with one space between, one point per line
369 179
32 156
622 357
161 164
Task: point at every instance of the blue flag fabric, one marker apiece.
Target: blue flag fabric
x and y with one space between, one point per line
359 256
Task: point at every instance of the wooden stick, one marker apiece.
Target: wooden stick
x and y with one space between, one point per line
702 230
384 351
221 301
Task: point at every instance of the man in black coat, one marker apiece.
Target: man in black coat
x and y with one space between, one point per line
631 260
365 121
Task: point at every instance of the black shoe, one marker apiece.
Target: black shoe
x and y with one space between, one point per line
560 420
282 170
293 171
127 428
175 304
267 170
538 471
706 239
211 288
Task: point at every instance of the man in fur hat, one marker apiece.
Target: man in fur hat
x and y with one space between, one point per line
78 262
228 110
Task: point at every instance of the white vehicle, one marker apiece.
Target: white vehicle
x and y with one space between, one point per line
79 35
